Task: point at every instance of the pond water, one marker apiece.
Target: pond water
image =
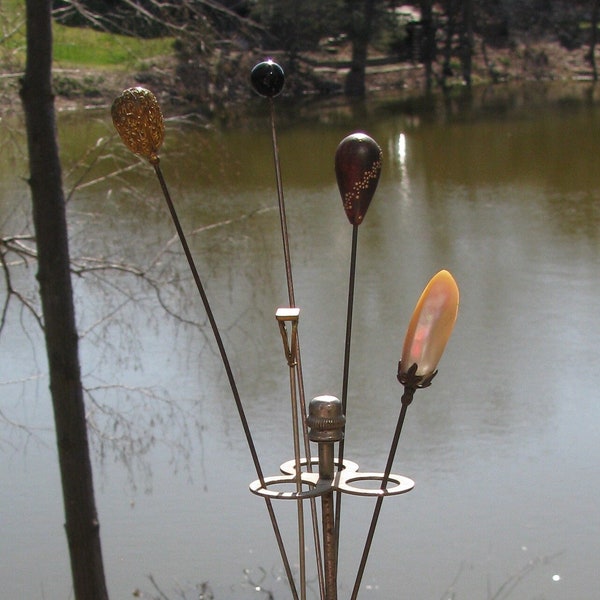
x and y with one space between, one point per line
501 187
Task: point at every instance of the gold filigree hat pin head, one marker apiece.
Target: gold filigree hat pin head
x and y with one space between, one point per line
137 117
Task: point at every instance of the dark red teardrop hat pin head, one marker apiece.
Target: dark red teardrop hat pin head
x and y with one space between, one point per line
357 168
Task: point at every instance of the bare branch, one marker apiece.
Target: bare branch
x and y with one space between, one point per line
155 585
13 245
507 587
176 18
97 151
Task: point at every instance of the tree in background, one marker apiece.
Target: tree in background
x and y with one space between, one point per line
452 9
296 26
466 40
458 23
428 43
594 37
55 287
218 41
210 36
361 17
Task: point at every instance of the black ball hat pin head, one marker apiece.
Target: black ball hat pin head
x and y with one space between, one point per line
267 78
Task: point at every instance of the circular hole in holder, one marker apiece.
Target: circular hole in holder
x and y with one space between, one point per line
285 487
369 484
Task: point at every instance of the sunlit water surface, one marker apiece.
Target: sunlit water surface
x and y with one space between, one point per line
503 190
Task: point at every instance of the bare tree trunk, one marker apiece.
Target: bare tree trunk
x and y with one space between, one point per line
449 39
466 44
49 216
594 38
428 48
360 36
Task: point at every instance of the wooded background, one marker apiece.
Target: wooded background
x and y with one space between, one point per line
212 34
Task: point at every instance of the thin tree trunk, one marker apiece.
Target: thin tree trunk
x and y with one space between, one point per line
449 39
428 47
594 38
466 45
49 216
360 35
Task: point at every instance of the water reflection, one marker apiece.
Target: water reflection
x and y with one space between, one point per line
502 194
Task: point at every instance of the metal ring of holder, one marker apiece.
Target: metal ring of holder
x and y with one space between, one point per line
317 488
342 482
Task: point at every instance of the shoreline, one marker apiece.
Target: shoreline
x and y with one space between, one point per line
79 88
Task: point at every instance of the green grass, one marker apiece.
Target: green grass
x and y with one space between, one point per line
77 46
74 46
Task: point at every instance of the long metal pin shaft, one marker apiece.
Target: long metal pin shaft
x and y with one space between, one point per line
228 370
291 316
350 309
282 216
292 302
298 463
406 400
346 372
307 453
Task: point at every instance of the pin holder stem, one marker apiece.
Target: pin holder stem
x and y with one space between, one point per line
330 545
326 421
281 203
